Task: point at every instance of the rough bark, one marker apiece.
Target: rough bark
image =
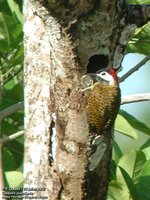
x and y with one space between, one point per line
60 39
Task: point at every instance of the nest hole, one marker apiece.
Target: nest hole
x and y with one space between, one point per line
97 62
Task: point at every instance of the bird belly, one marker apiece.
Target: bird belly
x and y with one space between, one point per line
101 108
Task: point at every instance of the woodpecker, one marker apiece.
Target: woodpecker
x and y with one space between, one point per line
103 101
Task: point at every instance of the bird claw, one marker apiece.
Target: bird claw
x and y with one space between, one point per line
86 89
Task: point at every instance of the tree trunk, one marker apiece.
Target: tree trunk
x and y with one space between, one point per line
63 40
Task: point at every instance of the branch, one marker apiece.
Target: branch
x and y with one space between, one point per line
11 137
10 110
135 98
135 68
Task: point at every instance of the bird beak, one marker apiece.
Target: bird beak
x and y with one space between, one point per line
95 77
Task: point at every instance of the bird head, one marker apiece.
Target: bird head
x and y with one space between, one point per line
105 76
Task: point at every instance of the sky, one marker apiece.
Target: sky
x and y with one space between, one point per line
139 82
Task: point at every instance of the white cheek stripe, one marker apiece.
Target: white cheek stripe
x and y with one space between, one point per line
108 78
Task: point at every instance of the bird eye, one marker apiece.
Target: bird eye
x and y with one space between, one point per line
103 73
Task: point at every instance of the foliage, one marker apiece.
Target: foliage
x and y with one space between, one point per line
11 72
130 172
145 2
140 43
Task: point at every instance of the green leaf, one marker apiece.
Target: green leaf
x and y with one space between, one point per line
113 170
4 33
146 2
11 32
117 154
16 35
9 85
127 161
15 94
17 149
123 126
14 178
17 58
140 160
8 160
140 43
14 7
144 182
133 162
117 190
4 7
135 123
146 149
7 128
146 144
18 118
133 191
